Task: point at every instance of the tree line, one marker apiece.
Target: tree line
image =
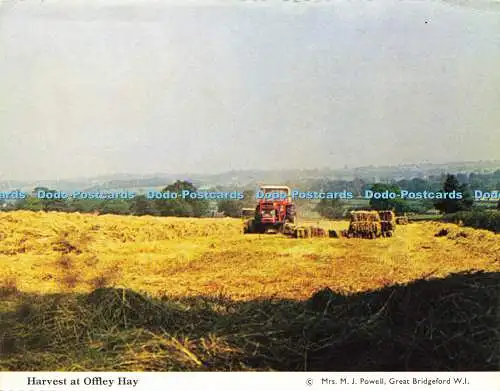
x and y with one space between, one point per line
139 205
486 182
337 208
332 209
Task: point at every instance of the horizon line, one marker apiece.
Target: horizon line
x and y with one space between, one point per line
192 174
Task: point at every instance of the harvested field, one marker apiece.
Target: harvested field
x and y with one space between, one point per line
83 292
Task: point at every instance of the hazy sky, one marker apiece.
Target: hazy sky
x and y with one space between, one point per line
99 88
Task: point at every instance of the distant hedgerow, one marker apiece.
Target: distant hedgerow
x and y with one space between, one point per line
486 219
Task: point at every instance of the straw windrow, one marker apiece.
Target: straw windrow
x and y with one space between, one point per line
439 324
82 292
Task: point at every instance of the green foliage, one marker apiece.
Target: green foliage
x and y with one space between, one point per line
50 204
455 205
249 200
115 206
84 205
484 219
486 182
231 208
200 207
418 185
55 205
174 207
140 206
397 204
179 186
331 209
29 203
179 206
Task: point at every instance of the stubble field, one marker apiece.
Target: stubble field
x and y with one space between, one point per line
83 292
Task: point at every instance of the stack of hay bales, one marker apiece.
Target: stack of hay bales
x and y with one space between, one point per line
388 218
365 224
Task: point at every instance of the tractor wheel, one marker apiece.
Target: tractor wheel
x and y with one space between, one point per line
249 227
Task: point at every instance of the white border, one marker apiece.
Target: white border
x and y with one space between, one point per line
252 381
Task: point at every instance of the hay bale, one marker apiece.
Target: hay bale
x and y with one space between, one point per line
388 226
332 233
365 228
387 215
402 220
365 215
318 232
288 229
299 233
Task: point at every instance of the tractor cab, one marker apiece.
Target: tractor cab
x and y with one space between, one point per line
274 209
281 193
275 205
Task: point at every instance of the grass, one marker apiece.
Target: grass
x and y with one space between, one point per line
82 292
425 217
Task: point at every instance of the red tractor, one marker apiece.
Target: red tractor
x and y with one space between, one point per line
274 209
